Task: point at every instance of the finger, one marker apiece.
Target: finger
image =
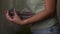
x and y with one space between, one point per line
15 12
7 16
7 12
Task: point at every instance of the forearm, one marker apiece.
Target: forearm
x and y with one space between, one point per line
38 17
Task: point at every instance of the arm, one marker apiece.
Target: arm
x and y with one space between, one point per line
50 6
49 11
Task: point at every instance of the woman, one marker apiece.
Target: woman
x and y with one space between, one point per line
43 22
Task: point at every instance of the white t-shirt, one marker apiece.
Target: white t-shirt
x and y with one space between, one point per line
35 6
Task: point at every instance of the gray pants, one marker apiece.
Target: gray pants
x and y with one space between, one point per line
51 30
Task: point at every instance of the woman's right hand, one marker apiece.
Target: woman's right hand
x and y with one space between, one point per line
16 18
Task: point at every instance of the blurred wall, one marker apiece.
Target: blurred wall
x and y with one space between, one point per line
58 10
58 14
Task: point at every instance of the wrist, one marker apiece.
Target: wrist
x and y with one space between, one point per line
23 22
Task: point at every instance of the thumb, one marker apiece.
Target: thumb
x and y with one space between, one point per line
15 12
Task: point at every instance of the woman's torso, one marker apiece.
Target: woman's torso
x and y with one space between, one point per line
35 6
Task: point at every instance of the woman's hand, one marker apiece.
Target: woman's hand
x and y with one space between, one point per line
16 18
